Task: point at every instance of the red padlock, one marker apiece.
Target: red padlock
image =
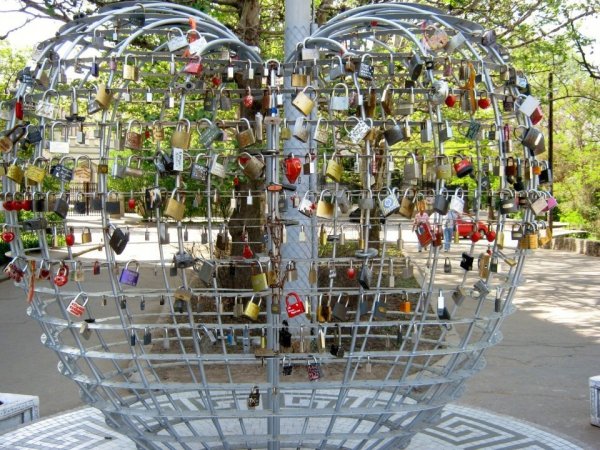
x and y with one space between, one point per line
484 102
296 308
247 252
62 276
44 270
7 235
131 203
451 100
96 268
78 309
424 234
438 237
27 202
19 109
8 205
351 271
293 168
70 238
248 100
490 235
463 167
475 236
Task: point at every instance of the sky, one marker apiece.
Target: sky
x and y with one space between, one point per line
40 30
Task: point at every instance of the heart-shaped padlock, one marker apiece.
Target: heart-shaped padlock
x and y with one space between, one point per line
293 168
7 235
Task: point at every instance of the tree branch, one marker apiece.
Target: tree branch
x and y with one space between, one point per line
593 71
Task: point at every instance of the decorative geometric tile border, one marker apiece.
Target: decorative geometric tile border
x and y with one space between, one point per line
461 428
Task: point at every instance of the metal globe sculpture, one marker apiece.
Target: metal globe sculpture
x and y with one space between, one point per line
284 313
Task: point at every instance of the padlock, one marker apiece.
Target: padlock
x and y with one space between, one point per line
340 309
393 134
412 170
118 239
33 134
258 279
364 277
508 201
252 310
252 166
441 202
339 102
58 146
303 103
291 271
245 137
113 204
366 201
365 70
301 129
175 207
462 166
15 172
129 276
325 208
307 205
134 139
407 204
296 308
61 205
182 135
313 369
130 71
531 138
216 168
359 132
45 108
334 169
388 204
76 306
323 310
445 131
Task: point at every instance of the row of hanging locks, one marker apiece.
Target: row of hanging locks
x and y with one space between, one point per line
356 113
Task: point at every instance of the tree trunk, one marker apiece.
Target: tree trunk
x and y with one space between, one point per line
249 26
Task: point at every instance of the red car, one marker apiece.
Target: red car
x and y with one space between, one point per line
466 225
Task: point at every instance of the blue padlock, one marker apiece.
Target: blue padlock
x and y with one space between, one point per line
128 276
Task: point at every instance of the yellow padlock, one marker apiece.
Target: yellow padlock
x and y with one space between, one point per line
103 96
334 169
325 209
303 102
252 309
182 135
258 280
130 71
36 171
483 264
15 172
158 132
175 208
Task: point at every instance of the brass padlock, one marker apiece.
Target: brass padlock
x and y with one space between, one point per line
175 208
258 279
246 137
36 172
15 172
303 102
299 79
134 139
252 310
182 135
130 71
334 169
325 209
158 132
82 173
86 236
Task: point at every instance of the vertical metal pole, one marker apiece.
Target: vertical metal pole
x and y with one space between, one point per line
550 134
297 28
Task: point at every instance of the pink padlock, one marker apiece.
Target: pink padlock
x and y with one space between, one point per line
76 308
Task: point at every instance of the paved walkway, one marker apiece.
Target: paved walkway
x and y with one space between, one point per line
461 428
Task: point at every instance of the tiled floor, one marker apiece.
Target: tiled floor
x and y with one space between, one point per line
460 428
